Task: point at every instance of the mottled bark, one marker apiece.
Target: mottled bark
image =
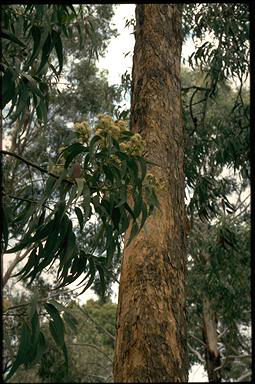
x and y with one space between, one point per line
209 327
151 318
212 354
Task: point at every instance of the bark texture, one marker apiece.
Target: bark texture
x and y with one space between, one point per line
151 318
212 354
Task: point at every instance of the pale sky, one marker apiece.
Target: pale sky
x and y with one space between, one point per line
115 61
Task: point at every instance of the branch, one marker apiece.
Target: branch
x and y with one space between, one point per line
244 376
200 358
222 333
230 357
196 338
28 200
96 323
196 88
15 262
33 165
92 346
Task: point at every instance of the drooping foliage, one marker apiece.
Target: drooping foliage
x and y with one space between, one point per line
217 127
100 162
89 336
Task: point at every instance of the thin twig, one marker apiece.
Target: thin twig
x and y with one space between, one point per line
200 358
33 165
96 323
196 338
92 346
244 376
24 199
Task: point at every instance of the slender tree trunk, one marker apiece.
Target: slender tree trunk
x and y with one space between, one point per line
151 318
212 354
209 327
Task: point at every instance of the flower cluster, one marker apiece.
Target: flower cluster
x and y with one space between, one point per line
153 181
84 131
107 125
134 146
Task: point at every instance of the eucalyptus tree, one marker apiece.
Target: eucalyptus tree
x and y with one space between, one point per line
91 178
220 157
151 328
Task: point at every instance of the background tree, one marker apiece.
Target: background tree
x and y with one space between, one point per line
217 151
218 250
89 339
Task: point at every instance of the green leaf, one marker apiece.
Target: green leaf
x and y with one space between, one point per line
86 201
43 231
35 327
127 207
57 324
115 217
110 244
42 111
57 336
51 243
102 278
49 185
36 35
80 183
72 8
69 247
40 348
46 50
71 321
32 84
134 232
92 273
59 49
92 145
138 203
72 195
143 167
72 151
10 36
124 221
79 215
29 265
22 102
8 87
60 179
126 134
144 215
22 356
5 231
133 171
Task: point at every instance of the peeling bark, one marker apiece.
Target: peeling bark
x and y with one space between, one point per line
151 318
212 354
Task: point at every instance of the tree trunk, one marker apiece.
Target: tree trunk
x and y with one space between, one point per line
151 318
212 354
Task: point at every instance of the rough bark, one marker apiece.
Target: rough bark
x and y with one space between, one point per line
151 318
212 354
